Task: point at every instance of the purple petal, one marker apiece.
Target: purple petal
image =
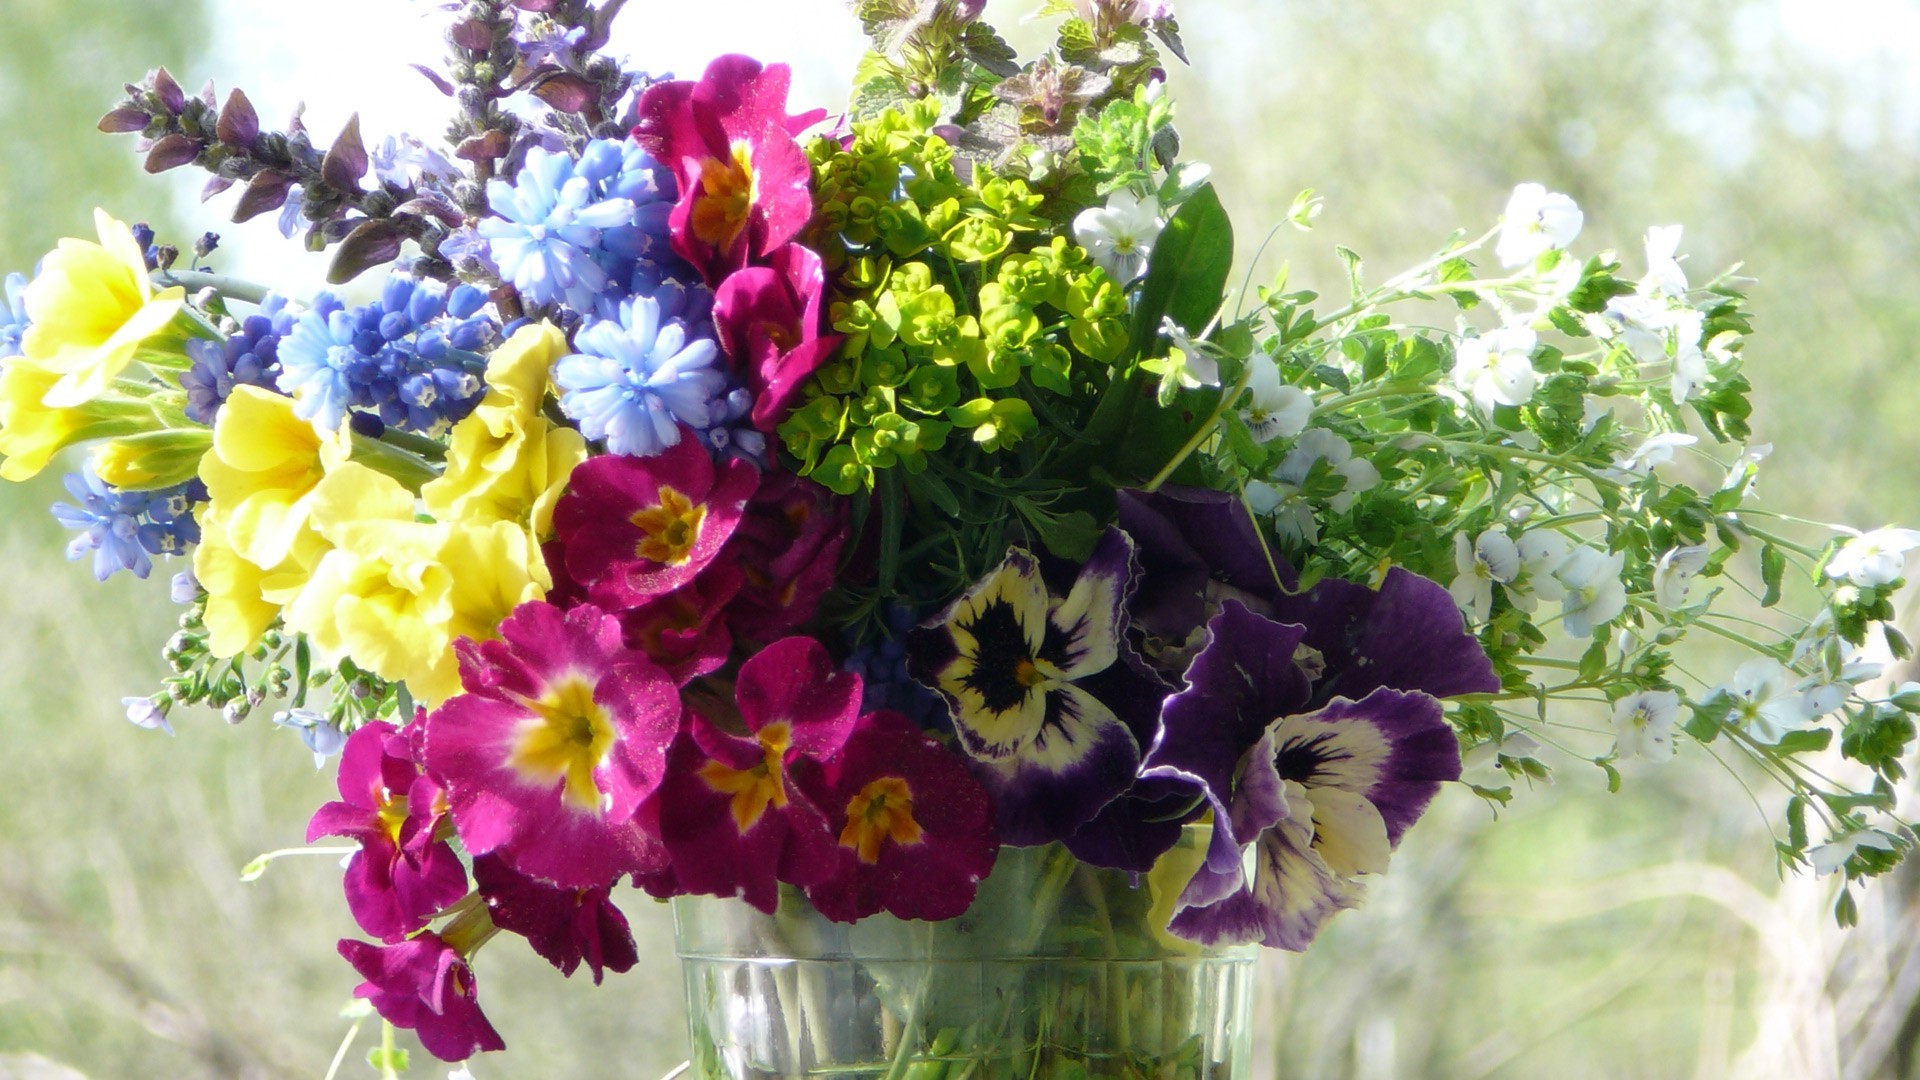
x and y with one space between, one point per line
1408 636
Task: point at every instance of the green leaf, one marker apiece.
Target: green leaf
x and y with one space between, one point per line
1593 663
1797 823
1806 742
1613 777
1773 564
388 1062
1187 275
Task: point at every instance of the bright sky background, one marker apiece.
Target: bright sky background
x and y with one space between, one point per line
263 48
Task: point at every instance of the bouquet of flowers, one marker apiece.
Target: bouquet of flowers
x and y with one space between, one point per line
724 500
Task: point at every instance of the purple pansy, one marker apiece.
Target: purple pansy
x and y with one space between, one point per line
1318 788
401 876
561 734
1041 695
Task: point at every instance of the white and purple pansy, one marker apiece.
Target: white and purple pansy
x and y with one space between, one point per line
1336 749
1037 685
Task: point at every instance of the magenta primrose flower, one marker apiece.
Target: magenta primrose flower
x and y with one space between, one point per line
424 984
769 321
730 143
787 546
402 875
560 735
630 528
915 829
565 926
685 631
729 813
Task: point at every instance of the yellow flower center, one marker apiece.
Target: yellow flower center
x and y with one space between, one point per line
755 789
392 813
566 738
669 529
727 192
883 810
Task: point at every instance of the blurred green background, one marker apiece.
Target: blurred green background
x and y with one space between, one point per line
1638 935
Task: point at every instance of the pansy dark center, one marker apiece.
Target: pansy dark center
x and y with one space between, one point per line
1003 670
1317 753
883 810
669 529
758 787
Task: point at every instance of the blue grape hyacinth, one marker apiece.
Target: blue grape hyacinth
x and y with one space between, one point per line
411 360
639 376
13 314
547 227
250 357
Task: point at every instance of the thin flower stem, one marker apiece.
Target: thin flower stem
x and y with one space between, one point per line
1205 431
387 1071
1398 287
1514 453
1746 787
1389 390
195 280
340 1055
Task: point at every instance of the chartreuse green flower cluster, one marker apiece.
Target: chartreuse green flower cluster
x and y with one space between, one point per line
914 247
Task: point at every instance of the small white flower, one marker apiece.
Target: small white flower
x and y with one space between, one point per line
1274 409
1480 563
1312 446
1263 498
1642 322
1832 856
1536 221
1763 702
1690 372
1120 235
1874 558
1196 367
1823 699
1516 746
1361 475
1746 469
1541 553
1643 724
1655 451
1664 275
1496 368
1595 594
1673 575
142 712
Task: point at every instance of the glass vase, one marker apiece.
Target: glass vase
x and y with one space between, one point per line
1058 970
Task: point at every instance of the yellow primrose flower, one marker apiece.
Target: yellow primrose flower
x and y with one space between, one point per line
393 592
31 433
380 593
507 461
153 459
92 307
262 472
243 599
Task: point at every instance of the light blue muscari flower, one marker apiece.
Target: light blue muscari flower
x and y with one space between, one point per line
315 363
547 226
638 377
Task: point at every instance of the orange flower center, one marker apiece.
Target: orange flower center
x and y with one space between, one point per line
727 191
670 529
759 787
883 810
